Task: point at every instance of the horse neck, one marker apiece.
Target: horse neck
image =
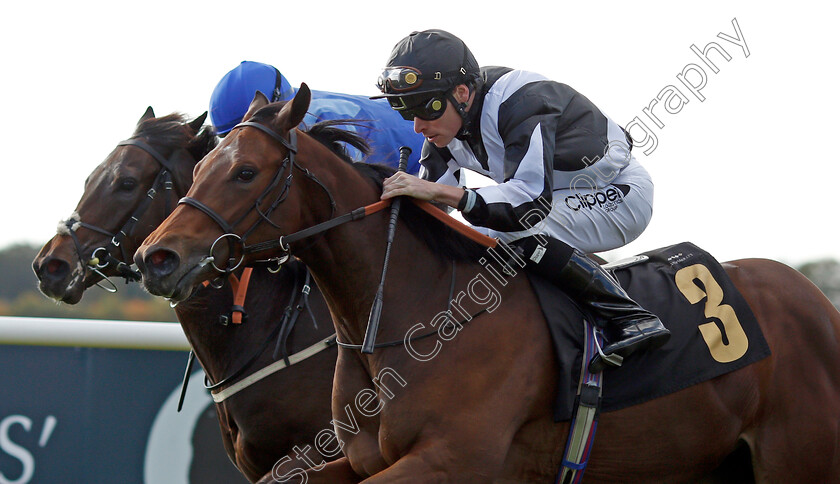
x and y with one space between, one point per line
347 264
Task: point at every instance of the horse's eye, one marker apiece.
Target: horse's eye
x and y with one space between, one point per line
245 174
127 184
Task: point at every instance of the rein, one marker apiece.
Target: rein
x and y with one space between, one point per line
284 241
102 256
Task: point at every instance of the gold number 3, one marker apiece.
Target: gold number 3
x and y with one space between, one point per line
738 344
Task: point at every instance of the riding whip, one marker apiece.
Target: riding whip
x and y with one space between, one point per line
190 360
376 310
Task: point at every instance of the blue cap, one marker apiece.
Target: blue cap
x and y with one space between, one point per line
234 93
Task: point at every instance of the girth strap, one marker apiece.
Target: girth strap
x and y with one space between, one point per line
585 418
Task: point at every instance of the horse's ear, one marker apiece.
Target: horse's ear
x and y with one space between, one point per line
259 101
292 113
196 123
149 114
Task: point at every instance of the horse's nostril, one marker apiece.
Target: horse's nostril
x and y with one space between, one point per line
54 266
157 258
162 262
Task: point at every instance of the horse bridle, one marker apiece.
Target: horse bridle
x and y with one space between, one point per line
102 256
228 230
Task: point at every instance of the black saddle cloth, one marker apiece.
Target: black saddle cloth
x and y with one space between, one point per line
716 334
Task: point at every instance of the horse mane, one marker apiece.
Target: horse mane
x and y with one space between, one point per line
328 133
441 239
332 136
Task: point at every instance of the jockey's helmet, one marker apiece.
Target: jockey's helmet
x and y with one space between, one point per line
234 93
422 69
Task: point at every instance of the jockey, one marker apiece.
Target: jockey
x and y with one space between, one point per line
567 184
382 127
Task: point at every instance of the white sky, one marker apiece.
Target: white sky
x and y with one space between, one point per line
746 173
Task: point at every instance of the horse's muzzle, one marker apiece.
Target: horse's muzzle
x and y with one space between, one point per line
55 278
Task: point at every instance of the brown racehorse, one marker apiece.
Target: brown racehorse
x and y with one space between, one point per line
117 190
261 425
477 407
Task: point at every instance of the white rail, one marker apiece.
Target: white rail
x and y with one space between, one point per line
92 333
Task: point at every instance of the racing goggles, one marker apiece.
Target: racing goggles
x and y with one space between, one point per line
401 78
398 79
427 106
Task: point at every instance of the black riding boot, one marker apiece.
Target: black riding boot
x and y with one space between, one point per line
627 327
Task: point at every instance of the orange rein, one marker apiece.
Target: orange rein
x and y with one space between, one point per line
443 217
455 225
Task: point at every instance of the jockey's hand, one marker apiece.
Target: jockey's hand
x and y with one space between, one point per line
402 183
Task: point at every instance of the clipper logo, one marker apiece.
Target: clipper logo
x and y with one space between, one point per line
607 200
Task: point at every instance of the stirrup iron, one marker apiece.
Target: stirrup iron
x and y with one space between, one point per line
614 360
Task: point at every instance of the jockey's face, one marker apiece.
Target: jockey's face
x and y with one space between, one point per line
441 131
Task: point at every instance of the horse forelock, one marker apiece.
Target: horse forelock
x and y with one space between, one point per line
170 131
